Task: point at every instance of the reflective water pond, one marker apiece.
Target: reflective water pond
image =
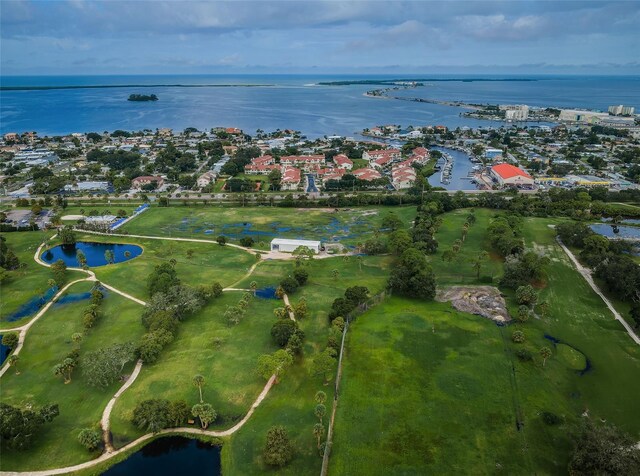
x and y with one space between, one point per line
95 253
169 456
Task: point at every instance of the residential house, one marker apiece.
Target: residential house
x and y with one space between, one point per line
139 182
343 162
290 178
205 179
367 174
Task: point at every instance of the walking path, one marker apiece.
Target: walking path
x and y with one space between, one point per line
285 298
586 274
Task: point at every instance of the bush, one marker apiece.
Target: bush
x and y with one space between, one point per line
278 450
551 418
247 241
524 355
290 285
222 240
89 438
301 276
518 337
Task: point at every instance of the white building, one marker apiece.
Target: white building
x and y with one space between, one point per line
519 112
582 117
621 110
288 246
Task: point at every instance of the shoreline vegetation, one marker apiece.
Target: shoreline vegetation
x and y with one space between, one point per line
113 86
391 82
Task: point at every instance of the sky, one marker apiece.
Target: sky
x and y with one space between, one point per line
88 37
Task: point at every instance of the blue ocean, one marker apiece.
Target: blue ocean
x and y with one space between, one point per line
271 102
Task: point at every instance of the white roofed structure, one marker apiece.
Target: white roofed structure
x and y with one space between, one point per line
287 246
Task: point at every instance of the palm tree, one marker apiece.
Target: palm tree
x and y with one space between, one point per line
254 286
76 337
318 432
545 353
198 381
320 411
13 362
320 397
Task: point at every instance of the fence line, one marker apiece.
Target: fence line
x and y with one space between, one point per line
362 308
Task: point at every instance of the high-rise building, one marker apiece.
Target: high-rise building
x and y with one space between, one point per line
621 110
519 112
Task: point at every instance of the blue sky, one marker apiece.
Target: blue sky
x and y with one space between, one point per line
185 37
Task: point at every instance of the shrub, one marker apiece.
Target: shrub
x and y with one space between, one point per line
10 339
518 337
89 438
301 276
222 240
551 418
247 241
278 450
524 355
289 284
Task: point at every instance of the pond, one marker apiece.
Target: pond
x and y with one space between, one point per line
4 351
623 232
94 252
32 306
170 456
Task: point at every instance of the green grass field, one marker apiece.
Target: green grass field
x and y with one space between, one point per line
27 282
456 412
348 226
47 343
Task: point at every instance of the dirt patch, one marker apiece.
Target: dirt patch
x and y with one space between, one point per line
483 301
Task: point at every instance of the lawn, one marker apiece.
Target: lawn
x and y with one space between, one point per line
348 226
47 344
208 263
28 282
205 344
463 389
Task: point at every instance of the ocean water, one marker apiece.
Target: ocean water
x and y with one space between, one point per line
270 102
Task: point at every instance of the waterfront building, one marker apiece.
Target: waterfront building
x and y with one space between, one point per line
621 110
510 175
582 117
384 154
518 112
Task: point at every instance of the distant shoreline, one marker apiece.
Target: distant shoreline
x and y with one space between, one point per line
112 86
393 82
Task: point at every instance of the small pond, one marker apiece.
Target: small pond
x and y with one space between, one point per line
171 455
94 252
4 351
609 231
266 293
32 306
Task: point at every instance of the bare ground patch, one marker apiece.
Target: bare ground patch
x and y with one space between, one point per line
485 301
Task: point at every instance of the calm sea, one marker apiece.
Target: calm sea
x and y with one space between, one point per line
284 102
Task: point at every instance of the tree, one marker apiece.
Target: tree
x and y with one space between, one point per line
318 432
391 222
205 413
289 284
151 415
357 294
399 241
274 364
545 353
526 295
300 309
282 330
109 256
10 339
104 366
222 240
303 252
253 285
278 450
413 277
478 261
216 289
301 276
67 235
198 381
76 338
320 411
163 277
335 274
178 413
320 397
65 369
604 450
59 270
635 314
323 364
89 438
523 313
544 308
152 343
81 258
247 241
13 362
19 427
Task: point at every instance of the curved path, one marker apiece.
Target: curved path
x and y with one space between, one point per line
110 451
586 274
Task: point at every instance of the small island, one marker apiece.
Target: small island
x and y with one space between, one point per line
142 97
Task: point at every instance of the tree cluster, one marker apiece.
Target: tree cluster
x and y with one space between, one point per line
19 427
